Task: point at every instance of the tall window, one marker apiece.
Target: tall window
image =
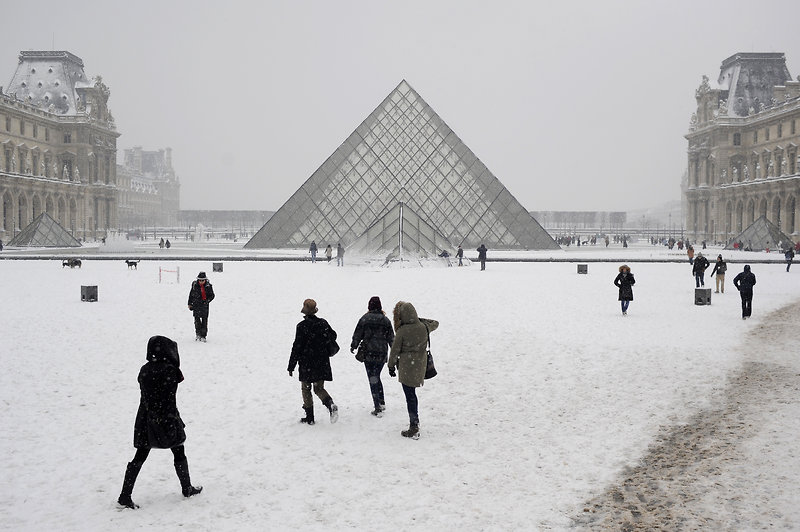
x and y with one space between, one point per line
780 130
46 134
766 133
67 138
22 127
755 137
35 130
793 128
737 139
8 124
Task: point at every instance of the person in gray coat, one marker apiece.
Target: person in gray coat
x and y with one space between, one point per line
409 355
373 337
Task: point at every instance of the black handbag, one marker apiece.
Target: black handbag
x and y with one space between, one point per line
361 354
430 369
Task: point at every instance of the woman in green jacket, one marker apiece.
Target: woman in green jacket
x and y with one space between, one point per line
409 356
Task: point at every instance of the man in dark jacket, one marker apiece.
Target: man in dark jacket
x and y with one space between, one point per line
373 337
744 284
699 269
312 351
158 422
482 256
788 255
200 295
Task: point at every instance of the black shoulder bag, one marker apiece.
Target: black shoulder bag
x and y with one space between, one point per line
430 369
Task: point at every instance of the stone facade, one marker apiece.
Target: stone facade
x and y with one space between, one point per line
743 149
149 190
57 147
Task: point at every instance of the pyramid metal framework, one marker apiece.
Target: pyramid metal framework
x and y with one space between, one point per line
762 234
403 153
44 232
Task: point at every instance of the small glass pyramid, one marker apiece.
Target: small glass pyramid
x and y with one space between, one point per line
44 232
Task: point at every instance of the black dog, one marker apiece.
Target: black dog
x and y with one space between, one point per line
71 263
132 264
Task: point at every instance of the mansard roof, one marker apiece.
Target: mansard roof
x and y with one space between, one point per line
49 80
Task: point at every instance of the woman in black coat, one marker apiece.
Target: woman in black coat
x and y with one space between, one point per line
625 282
158 422
375 335
312 351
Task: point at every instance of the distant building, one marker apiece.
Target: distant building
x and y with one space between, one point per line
743 149
222 223
149 190
57 147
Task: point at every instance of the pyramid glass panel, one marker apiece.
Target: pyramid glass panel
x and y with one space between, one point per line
44 232
403 153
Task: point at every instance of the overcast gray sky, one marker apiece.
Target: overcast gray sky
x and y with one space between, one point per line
576 105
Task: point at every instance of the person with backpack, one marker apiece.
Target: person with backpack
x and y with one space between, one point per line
720 267
314 344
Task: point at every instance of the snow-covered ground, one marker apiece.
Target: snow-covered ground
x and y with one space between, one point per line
546 396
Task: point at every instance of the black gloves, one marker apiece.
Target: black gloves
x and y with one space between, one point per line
392 372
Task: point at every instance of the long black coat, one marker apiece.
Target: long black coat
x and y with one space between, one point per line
158 422
625 284
375 330
200 307
310 350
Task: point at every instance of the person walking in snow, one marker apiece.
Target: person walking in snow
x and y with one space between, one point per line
409 356
744 284
313 250
482 256
625 281
158 423
460 255
690 253
720 267
788 255
699 269
374 335
328 252
311 350
200 295
339 255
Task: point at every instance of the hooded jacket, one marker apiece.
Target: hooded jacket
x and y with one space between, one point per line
625 281
158 422
409 349
744 281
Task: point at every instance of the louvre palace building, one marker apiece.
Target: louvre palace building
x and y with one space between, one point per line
58 154
743 149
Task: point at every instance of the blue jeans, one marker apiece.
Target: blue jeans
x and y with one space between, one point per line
375 385
412 404
698 280
624 304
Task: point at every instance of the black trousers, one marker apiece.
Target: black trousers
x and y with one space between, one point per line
179 453
747 303
201 324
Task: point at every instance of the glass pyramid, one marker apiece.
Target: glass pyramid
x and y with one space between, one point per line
44 232
403 153
762 234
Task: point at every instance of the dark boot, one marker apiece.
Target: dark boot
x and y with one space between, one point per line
412 432
333 409
309 416
131 472
182 469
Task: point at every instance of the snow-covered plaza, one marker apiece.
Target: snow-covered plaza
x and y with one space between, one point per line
551 410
